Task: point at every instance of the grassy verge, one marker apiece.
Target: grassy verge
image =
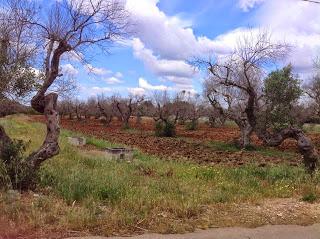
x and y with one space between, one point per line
264 151
312 128
82 192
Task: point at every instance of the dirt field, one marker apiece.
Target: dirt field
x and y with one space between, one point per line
188 145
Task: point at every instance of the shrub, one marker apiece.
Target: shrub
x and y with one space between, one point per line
165 129
192 125
310 197
14 170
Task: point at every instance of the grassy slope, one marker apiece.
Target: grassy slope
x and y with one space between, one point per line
82 191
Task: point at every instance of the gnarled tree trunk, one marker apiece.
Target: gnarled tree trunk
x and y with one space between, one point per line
47 105
305 146
246 131
50 146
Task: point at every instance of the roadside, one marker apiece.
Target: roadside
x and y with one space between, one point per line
265 232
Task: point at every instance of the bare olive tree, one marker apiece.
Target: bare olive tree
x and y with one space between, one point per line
69 26
92 110
106 109
126 107
312 89
166 113
65 108
234 81
190 109
236 87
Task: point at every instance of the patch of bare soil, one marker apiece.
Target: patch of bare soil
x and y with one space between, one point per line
192 146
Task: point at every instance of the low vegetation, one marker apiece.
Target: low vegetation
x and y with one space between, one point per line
79 190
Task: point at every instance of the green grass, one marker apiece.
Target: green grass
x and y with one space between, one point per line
264 151
222 146
99 143
117 196
312 128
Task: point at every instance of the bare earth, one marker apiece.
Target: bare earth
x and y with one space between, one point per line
265 232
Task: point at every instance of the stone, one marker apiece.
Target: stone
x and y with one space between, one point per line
77 141
119 153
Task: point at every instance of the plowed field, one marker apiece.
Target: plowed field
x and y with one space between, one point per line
188 145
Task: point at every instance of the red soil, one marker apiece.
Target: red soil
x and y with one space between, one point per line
188 145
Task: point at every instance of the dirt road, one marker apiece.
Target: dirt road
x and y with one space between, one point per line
265 232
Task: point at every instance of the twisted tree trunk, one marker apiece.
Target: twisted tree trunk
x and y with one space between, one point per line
50 146
47 105
305 146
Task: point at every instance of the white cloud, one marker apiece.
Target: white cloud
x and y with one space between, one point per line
144 86
161 67
169 37
113 80
69 70
298 24
99 90
137 91
96 70
246 5
147 86
118 75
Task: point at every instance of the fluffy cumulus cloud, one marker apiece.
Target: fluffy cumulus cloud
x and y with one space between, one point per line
69 69
161 67
298 25
164 42
105 75
113 80
170 37
145 86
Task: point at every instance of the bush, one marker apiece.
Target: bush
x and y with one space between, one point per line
310 197
192 125
165 129
14 170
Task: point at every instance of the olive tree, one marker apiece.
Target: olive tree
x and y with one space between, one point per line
69 26
234 80
106 109
276 121
235 86
17 76
166 113
312 89
126 107
282 91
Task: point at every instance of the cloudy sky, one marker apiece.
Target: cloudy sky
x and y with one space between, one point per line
170 32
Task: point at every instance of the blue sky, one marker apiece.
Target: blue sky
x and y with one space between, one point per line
170 32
